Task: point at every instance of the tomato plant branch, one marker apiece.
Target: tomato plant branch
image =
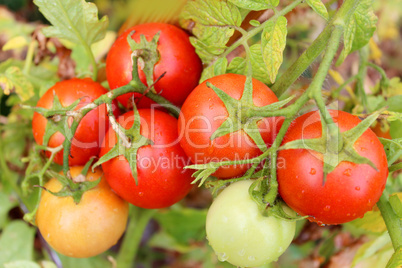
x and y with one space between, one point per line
107 98
29 217
138 220
247 35
363 61
392 221
315 49
335 93
29 57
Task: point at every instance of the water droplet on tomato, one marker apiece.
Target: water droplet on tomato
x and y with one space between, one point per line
222 256
312 171
348 215
251 258
357 188
354 214
241 252
347 172
297 177
369 203
372 141
327 208
141 194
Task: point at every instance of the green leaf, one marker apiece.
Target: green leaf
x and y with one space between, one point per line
359 29
74 20
23 264
255 4
254 23
93 262
371 222
319 8
183 224
218 68
16 242
237 66
273 42
13 80
15 43
396 204
370 248
393 149
259 68
214 21
7 203
396 259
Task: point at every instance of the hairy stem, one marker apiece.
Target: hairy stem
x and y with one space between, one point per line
138 220
315 49
107 98
393 223
247 35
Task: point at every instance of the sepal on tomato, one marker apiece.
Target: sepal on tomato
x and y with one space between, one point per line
128 143
147 54
243 113
74 187
347 151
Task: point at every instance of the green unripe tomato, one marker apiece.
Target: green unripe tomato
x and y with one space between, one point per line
240 235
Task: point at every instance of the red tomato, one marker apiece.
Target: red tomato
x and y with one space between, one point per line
162 181
203 112
177 58
350 190
90 131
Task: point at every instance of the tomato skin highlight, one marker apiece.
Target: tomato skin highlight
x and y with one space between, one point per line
203 112
85 229
238 232
90 131
178 59
350 190
162 181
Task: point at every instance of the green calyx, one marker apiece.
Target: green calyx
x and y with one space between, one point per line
243 114
257 192
147 55
128 143
57 117
335 146
75 187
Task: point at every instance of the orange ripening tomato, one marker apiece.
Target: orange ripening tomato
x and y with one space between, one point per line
85 229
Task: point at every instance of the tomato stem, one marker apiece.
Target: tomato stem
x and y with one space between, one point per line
393 223
138 220
247 35
315 49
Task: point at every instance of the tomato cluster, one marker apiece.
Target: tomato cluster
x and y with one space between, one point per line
154 175
161 181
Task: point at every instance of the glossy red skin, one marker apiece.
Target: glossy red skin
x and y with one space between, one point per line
160 184
350 189
90 131
203 105
178 59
